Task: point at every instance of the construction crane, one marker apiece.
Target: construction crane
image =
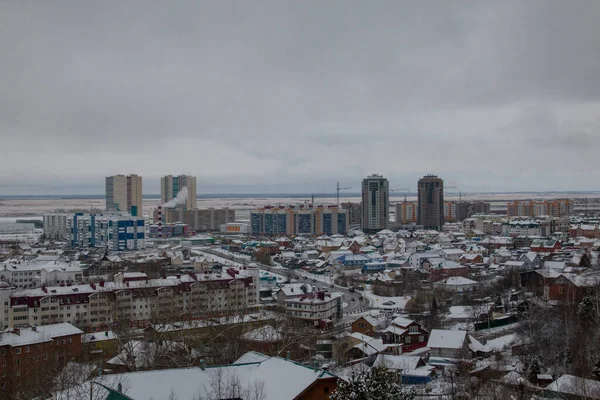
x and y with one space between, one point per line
403 190
459 192
337 192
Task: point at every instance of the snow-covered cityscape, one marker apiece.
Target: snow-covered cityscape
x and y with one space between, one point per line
426 298
299 200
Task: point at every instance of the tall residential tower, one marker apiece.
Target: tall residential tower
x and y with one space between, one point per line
430 209
375 203
171 185
124 193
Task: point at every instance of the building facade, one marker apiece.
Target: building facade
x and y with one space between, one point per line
114 232
55 226
354 213
93 306
30 357
375 203
406 213
305 220
171 185
430 212
531 208
124 193
315 308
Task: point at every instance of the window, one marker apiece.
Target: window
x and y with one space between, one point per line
45 356
18 361
18 373
407 339
18 350
325 389
421 339
3 352
413 329
26 349
561 289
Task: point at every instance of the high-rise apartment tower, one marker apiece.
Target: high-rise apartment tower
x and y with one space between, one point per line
124 193
171 185
375 203
430 209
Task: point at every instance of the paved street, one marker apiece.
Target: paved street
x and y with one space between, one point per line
302 276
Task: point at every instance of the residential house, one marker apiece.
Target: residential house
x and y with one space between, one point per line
448 344
572 288
365 325
406 333
457 284
414 369
531 260
276 378
537 281
100 345
451 254
471 259
545 246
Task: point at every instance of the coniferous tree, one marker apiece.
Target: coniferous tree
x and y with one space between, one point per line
375 384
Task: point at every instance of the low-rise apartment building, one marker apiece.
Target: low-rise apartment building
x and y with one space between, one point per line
25 274
317 309
29 356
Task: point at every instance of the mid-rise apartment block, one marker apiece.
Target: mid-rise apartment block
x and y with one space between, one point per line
531 208
305 220
170 186
124 194
354 213
406 213
431 202
315 309
375 203
113 232
55 226
30 356
201 220
134 298
456 211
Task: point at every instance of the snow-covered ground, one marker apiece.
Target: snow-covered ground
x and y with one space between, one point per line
378 301
219 259
502 342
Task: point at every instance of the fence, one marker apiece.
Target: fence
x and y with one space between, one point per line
495 323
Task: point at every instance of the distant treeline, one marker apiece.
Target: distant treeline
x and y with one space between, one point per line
36 222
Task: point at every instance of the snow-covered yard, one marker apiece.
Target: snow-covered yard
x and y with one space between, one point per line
387 303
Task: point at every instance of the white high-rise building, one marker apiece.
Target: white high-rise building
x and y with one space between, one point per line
124 193
171 185
375 203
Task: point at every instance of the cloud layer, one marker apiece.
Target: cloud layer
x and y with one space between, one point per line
294 96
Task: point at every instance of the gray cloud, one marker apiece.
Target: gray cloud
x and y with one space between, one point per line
277 94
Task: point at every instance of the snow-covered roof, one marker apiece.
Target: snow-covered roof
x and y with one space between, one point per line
574 385
22 337
278 378
402 362
98 337
459 280
58 330
402 321
445 339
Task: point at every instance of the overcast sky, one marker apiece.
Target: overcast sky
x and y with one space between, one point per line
277 96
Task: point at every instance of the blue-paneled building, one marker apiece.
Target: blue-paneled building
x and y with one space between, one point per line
113 232
305 220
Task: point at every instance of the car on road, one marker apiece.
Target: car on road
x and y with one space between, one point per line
361 298
353 299
351 289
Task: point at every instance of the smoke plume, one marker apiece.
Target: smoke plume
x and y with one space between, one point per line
181 198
